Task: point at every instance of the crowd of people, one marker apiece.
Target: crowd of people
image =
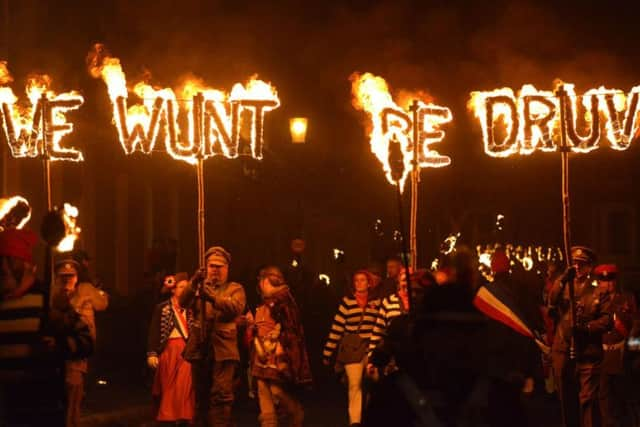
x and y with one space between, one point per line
410 346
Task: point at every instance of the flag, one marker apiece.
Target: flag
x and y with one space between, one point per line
498 303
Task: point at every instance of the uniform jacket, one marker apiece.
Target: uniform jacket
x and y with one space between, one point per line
163 323
623 309
220 317
593 318
86 300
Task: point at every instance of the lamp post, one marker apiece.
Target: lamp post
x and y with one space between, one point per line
298 129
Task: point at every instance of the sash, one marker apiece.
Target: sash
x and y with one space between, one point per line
180 321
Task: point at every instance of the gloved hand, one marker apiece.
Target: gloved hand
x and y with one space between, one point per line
568 275
208 292
199 276
152 361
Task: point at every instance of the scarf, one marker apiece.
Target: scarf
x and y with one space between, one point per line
404 297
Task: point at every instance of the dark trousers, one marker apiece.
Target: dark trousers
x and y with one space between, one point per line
213 383
577 383
611 399
505 408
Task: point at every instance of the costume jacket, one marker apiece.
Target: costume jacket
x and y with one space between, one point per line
166 318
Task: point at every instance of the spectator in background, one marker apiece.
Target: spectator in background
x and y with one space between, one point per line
389 285
85 299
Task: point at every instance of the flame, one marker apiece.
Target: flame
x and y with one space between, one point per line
449 244
23 126
72 231
7 206
392 124
325 278
530 121
528 257
211 129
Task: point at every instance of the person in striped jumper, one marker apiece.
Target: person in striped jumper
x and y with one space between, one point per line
391 306
35 339
357 314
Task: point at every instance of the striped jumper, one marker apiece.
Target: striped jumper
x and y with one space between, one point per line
390 307
347 319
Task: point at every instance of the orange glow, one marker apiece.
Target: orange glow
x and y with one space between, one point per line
7 205
298 129
390 124
72 231
24 127
214 118
530 121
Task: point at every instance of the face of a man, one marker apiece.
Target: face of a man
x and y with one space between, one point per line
217 271
68 282
607 285
179 288
393 268
582 269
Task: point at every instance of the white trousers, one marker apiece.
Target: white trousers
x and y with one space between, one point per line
354 373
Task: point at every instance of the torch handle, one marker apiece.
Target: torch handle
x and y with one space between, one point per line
403 243
572 313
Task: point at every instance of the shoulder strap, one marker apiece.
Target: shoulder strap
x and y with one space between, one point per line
361 319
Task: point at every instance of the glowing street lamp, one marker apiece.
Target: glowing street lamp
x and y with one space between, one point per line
298 129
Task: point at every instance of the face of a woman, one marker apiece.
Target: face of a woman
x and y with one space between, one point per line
360 283
180 287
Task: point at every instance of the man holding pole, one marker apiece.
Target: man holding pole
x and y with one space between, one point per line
217 304
577 345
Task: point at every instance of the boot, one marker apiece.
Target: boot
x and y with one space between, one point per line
269 419
220 416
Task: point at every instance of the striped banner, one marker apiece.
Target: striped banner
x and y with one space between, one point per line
498 304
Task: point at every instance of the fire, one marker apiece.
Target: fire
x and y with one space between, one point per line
392 125
528 257
38 128
530 121
449 244
15 212
72 231
213 118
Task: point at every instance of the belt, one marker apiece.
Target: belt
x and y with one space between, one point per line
612 347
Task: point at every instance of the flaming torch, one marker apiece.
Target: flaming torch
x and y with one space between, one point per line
401 137
69 214
15 212
214 119
549 121
36 130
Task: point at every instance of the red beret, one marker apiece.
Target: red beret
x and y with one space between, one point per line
18 244
606 272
